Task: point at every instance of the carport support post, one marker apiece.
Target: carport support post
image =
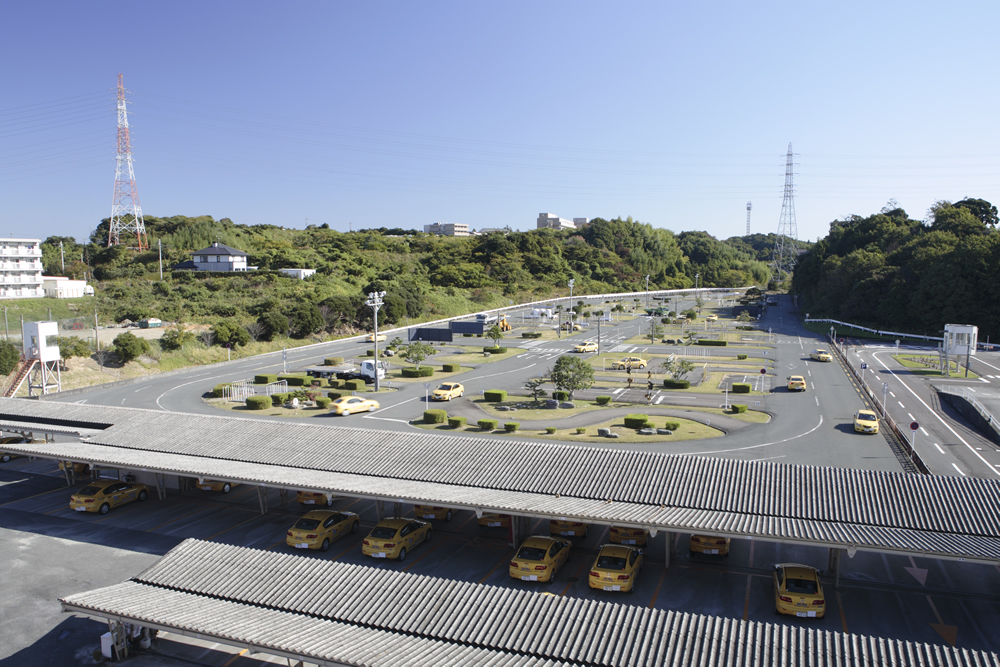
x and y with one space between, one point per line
379 510
668 539
397 508
834 564
262 497
518 528
161 485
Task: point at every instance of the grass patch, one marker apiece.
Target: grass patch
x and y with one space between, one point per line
918 365
527 411
290 413
475 355
689 430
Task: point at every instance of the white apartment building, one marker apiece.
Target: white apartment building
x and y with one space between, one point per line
21 269
549 221
447 229
58 287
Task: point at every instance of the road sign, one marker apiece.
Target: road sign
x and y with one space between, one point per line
864 366
763 371
914 426
841 341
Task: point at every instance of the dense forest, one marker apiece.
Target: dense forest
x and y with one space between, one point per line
890 271
424 276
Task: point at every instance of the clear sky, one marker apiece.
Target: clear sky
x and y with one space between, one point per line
400 114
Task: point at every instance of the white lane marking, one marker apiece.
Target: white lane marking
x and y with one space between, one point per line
386 419
170 390
660 399
617 391
140 389
766 444
817 399
911 417
518 370
901 404
924 431
396 404
984 380
81 401
955 466
939 448
892 394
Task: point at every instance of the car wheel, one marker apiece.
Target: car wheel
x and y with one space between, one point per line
371 409
226 488
552 577
143 495
447 516
6 457
461 394
326 545
329 502
105 508
402 554
354 527
427 535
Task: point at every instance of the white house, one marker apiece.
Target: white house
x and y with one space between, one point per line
21 269
301 274
217 257
58 287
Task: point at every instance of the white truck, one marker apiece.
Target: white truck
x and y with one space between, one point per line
350 372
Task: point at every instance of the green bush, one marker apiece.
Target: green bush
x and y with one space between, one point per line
467 335
354 385
451 368
323 402
265 379
335 383
370 353
495 395
636 421
435 416
217 391
456 422
258 402
738 408
333 361
712 343
745 328
550 429
672 426
280 398
741 357
531 334
581 430
495 350
511 427
560 395
487 424
741 387
676 384
603 400
293 380
334 395
414 372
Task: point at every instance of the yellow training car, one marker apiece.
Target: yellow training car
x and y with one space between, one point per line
615 568
7 456
371 338
590 346
314 498
429 512
706 544
319 528
797 591
448 391
539 558
494 521
621 535
348 405
865 421
628 362
711 318
102 495
565 527
216 485
77 468
796 383
392 538
567 326
820 355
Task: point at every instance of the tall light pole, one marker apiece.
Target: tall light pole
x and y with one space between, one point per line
375 302
647 292
572 281
697 276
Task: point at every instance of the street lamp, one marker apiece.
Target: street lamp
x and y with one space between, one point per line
375 302
647 292
572 281
696 277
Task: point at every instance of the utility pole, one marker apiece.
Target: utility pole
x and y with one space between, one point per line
97 337
62 257
126 213
159 247
375 302
647 291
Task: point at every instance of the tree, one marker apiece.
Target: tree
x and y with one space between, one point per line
305 319
255 329
274 324
496 334
229 333
71 346
744 316
982 209
10 357
130 347
571 374
415 353
655 330
534 386
700 302
175 339
681 369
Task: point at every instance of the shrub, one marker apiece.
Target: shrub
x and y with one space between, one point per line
414 372
603 400
511 427
293 380
217 391
335 383
745 328
258 402
495 350
672 426
333 395
550 430
741 357
495 395
323 402
279 398
560 395
712 343
581 430
370 353
531 334
741 387
451 368
354 385
738 408
456 422
266 378
333 361
467 335
676 384
636 421
487 424
435 416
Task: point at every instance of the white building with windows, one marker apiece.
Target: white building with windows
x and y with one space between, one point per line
21 269
217 257
301 274
59 287
549 221
447 229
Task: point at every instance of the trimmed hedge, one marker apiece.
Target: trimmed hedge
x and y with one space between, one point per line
745 328
467 335
218 389
495 350
335 383
494 395
636 421
280 398
456 422
354 385
435 416
333 361
712 343
487 424
560 395
370 353
323 402
334 395
451 368
550 429
414 372
258 402
293 380
531 334
741 387
741 357
672 426
581 430
676 384
738 408
511 427
603 400
266 378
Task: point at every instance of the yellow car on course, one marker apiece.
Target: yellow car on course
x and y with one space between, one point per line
565 527
371 338
448 391
314 498
628 362
709 545
216 485
711 318
320 528
539 558
348 405
622 535
797 591
589 346
796 383
394 538
865 421
102 495
820 355
567 326
615 568
494 521
431 512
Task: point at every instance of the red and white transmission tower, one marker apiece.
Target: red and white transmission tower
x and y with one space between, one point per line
126 213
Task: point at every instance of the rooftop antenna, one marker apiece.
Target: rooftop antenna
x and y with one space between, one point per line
126 213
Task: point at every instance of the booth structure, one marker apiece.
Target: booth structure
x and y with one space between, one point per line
41 357
960 340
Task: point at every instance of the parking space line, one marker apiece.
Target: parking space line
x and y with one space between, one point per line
746 600
489 574
233 527
234 658
955 466
583 566
843 616
426 554
34 496
167 523
656 593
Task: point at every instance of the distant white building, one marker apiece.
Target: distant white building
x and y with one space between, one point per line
301 274
217 257
580 222
447 229
57 287
21 269
491 230
549 221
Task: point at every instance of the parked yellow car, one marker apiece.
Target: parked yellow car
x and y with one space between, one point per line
102 495
393 538
448 391
348 405
371 338
796 383
429 512
709 545
565 527
539 558
216 485
615 568
318 529
622 535
711 318
628 362
590 346
314 498
77 468
7 456
820 355
568 326
865 421
494 521
797 591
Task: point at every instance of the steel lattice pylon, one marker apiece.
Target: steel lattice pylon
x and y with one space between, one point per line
786 250
126 213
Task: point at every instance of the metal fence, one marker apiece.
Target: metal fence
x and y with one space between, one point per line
241 390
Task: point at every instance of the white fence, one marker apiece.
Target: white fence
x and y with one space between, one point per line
241 390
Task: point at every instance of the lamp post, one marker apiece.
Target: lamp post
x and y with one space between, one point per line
647 292
697 276
572 281
375 302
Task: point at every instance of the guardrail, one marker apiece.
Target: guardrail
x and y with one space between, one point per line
877 332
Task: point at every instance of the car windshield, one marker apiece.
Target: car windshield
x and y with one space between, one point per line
307 524
862 417
444 387
611 563
531 553
804 586
821 352
383 533
89 491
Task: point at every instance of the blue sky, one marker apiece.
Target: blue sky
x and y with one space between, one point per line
402 114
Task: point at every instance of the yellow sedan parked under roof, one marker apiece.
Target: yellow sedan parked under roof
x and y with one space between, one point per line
820 355
314 498
102 495
615 568
393 538
448 391
320 528
622 535
797 591
494 521
566 527
709 545
216 485
865 421
431 512
348 405
539 558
